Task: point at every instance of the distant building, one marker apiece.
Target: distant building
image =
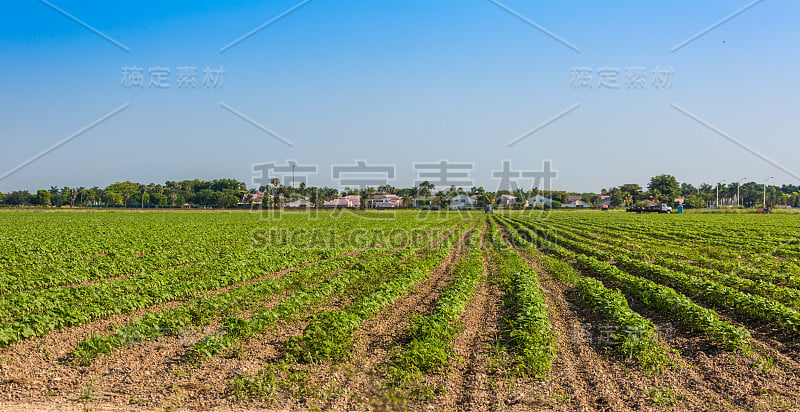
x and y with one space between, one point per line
386 202
604 201
298 204
346 202
574 198
539 200
578 204
252 198
462 202
506 200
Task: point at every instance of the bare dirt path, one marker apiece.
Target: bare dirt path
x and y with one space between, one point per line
469 384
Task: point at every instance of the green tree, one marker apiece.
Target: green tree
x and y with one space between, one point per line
425 188
205 197
19 197
225 199
693 202
591 198
617 198
125 189
158 199
113 198
41 198
631 192
664 188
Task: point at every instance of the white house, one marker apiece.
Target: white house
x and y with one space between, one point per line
506 200
299 203
389 201
577 204
462 202
540 200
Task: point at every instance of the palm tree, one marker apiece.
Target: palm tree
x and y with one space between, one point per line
144 190
275 182
628 199
425 188
367 193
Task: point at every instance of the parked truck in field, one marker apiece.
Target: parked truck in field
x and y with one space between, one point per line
663 208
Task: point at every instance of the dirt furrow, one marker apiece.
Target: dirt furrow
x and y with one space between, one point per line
42 363
580 377
359 381
160 379
709 376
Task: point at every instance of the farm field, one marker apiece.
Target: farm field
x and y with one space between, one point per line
580 310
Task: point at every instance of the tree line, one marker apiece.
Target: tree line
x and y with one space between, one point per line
666 188
227 193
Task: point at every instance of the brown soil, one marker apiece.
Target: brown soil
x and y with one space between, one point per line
36 375
358 384
150 375
705 377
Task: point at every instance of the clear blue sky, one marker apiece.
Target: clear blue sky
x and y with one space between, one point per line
397 82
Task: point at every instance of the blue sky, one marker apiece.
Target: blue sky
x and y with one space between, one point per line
397 82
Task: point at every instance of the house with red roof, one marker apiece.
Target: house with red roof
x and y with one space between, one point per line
506 200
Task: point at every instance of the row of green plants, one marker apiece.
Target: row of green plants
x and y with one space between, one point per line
671 303
37 302
50 250
715 288
745 306
239 328
39 253
106 299
102 300
775 260
202 311
761 288
690 253
432 336
527 325
632 336
329 335
782 294
663 299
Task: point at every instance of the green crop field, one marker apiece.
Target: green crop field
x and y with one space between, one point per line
567 310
